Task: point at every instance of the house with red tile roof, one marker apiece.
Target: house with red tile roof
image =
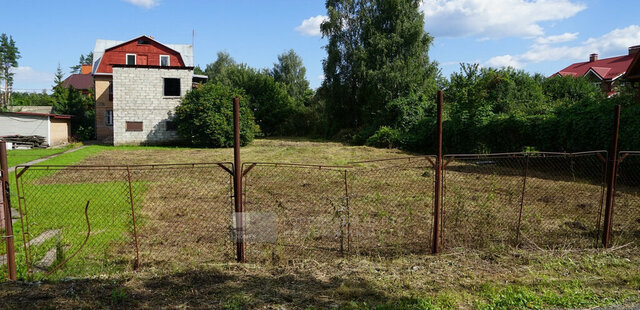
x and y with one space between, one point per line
82 81
607 71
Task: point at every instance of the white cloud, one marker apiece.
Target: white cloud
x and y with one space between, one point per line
147 4
615 42
565 37
311 26
28 74
503 61
494 18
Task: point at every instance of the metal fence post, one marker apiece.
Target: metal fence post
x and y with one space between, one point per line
612 164
6 212
237 182
435 247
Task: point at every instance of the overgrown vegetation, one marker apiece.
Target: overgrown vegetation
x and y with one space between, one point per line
205 117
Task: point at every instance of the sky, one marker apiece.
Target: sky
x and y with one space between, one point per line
538 36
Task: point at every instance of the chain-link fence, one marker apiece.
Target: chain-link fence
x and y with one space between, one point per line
116 217
391 205
295 212
111 218
537 200
626 213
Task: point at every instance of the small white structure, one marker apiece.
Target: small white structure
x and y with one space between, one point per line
54 128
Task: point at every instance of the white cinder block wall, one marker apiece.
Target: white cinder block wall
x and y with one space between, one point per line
138 96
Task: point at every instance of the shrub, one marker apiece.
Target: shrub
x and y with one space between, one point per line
205 117
385 137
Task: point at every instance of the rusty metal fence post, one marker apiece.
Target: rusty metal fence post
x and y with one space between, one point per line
237 182
612 164
435 247
6 212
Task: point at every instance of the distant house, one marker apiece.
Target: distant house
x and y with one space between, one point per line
607 72
633 73
54 128
82 81
138 84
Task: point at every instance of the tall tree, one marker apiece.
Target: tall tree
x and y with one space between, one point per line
377 55
9 56
290 71
217 70
84 60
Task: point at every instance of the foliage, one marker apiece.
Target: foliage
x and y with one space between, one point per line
31 99
9 55
384 137
275 110
205 117
69 101
290 71
216 71
377 52
84 60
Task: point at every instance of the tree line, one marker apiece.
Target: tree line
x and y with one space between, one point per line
380 87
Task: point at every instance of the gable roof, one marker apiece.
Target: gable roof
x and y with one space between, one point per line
606 68
79 81
101 46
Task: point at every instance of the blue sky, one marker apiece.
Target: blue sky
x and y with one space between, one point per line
535 35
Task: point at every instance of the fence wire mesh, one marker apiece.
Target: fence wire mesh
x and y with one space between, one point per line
294 212
626 213
182 215
482 197
391 205
538 200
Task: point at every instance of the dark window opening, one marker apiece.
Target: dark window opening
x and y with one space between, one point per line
131 59
171 126
134 126
108 118
171 87
143 41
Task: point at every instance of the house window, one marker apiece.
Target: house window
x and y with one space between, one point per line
133 126
171 87
143 41
164 60
171 126
131 59
110 91
108 118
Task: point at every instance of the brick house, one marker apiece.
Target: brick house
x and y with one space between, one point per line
607 71
138 84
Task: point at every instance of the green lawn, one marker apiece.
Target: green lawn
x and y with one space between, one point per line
17 157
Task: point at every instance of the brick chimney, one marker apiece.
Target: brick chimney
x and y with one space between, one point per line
593 57
86 69
634 49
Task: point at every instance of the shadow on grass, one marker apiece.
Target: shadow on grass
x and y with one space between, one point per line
197 288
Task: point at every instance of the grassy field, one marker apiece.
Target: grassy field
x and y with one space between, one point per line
186 253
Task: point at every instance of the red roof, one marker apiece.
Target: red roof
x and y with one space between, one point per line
79 81
606 69
62 116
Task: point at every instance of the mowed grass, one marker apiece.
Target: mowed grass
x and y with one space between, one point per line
494 277
17 157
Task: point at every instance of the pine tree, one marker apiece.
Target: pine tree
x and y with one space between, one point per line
9 56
